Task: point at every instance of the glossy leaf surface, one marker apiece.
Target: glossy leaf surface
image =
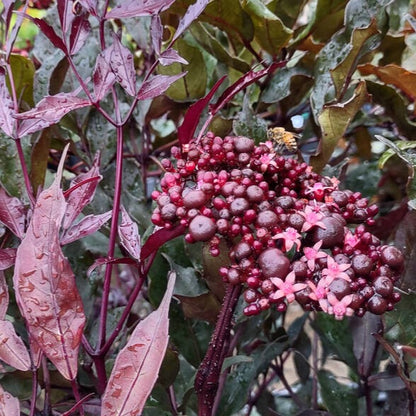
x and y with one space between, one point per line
45 284
103 78
157 85
137 365
4 295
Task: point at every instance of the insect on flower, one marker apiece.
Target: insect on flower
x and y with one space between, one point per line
283 139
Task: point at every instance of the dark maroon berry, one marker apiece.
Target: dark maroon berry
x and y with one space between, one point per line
301 269
296 221
332 235
243 144
340 288
362 264
202 228
255 193
273 263
377 305
383 286
392 256
266 219
242 250
357 301
238 206
340 198
168 212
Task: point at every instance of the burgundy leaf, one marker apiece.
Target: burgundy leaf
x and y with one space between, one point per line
12 213
190 122
84 186
129 235
158 238
88 225
65 14
170 56
16 27
7 258
104 260
134 8
4 296
12 349
9 405
49 111
79 33
7 122
157 85
44 283
103 78
122 64
191 14
49 32
7 13
242 83
90 6
156 33
137 365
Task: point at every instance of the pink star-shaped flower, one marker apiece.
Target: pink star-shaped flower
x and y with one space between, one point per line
312 254
339 308
335 270
319 293
350 239
291 237
312 219
286 288
318 190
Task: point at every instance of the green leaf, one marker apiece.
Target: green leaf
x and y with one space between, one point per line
341 400
334 121
23 75
212 45
336 336
193 84
39 158
235 360
269 31
169 368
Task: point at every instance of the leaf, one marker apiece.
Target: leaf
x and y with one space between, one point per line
385 381
205 307
129 235
44 284
12 213
9 405
170 56
269 30
90 6
122 64
137 365
190 122
65 14
158 238
364 344
49 111
334 121
7 258
103 78
4 296
7 122
88 225
12 349
341 400
133 8
81 192
191 14
23 71
11 38
157 85
80 30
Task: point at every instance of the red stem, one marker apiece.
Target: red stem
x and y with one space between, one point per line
209 372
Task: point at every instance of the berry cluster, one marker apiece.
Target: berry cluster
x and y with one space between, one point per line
286 225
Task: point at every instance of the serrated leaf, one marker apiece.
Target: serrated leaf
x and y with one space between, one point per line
128 232
7 258
170 56
80 30
137 365
12 349
7 122
4 296
122 64
103 78
194 10
334 121
81 192
12 213
157 85
87 226
49 111
9 405
133 8
44 284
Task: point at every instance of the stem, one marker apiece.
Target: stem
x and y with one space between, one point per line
368 401
411 403
47 382
206 381
112 242
34 392
77 396
315 340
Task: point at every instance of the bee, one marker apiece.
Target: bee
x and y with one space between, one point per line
283 139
